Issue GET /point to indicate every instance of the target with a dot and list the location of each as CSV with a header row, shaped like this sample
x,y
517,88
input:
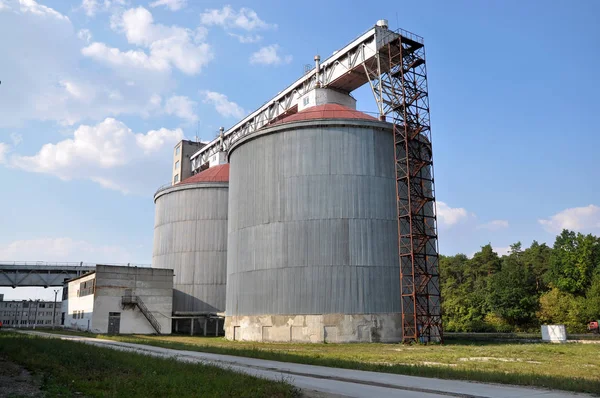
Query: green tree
x,y
512,291
537,259
573,261
591,307
558,307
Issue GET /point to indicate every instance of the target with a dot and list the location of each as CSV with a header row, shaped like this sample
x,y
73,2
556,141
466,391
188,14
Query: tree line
x,y
524,289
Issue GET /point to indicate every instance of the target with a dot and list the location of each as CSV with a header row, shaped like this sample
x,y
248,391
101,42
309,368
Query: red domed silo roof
x,y
326,111
218,173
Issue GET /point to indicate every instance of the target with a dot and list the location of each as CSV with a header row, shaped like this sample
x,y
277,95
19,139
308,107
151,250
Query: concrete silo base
x,y
328,328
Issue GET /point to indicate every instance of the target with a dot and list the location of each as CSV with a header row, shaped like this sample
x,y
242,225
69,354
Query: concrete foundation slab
x,y
329,328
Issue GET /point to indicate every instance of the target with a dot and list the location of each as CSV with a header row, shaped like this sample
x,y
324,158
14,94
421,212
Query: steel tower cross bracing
x,y
398,79
417,229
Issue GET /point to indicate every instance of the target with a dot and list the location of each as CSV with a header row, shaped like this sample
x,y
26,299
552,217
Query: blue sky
x,y
94,95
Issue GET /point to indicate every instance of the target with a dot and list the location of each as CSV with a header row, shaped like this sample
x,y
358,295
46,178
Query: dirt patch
x,y
487,359
16,381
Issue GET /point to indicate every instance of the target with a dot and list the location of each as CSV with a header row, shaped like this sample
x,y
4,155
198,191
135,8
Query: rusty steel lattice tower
x,y
417,229
398,78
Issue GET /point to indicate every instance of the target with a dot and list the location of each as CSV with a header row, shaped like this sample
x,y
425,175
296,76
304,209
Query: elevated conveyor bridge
x,y
40,274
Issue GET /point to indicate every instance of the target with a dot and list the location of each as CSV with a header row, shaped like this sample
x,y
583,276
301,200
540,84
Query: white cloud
x,y
169,46
172,5
246,19
16,138
92,7
154,140
130,59
223,105
52,86
580,219
79,91
30,6
4,148
494,225
246,38
110,154
448,216
269,55
62,249
182,107
502,251
85,35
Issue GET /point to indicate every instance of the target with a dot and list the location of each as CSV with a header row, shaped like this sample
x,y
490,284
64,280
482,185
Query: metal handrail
x,y
162,188
147,313
67,264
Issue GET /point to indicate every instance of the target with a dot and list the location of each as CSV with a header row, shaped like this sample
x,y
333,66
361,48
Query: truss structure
x,y
398,79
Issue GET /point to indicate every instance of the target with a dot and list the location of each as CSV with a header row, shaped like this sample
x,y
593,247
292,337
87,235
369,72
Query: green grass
x,y
70,368
571,367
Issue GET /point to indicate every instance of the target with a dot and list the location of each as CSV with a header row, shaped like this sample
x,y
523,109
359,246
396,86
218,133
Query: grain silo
x,y
313,228
190,236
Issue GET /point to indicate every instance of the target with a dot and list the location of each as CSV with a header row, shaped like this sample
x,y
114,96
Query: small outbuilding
x,y
119,300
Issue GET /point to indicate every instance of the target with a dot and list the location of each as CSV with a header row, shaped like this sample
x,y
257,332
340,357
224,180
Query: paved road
x,y
338,382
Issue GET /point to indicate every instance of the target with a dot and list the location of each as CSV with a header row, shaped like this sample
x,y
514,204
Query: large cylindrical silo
x,y
313,231
190,236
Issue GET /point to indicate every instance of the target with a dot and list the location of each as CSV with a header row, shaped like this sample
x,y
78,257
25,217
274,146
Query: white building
x,y
115,300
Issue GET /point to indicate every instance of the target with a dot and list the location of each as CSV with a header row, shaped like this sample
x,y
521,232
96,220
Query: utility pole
x,y
22,312
29,312
54,309
37,305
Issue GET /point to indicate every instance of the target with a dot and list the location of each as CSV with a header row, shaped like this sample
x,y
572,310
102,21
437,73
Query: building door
x,y
114,322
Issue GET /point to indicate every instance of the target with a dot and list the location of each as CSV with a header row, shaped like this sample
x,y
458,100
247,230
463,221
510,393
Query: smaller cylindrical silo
x,y
190,236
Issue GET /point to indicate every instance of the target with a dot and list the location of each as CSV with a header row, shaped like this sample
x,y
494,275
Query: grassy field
x,y
572,367
72,369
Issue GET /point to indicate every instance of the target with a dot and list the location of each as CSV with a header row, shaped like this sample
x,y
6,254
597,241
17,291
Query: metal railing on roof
x,y
66,264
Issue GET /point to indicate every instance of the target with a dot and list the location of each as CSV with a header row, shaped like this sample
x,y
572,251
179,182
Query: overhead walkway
x,y
40,274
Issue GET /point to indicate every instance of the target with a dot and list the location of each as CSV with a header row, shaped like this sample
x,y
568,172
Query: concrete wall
x,y
312,227
74,304
153,286
186,150
190,236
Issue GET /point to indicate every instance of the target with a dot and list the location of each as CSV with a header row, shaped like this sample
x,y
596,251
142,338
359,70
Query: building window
x,y
177,165
86,288
306,101
176,179
177,150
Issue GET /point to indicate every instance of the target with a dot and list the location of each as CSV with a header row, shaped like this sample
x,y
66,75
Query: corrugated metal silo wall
x,y
190,236
313,221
